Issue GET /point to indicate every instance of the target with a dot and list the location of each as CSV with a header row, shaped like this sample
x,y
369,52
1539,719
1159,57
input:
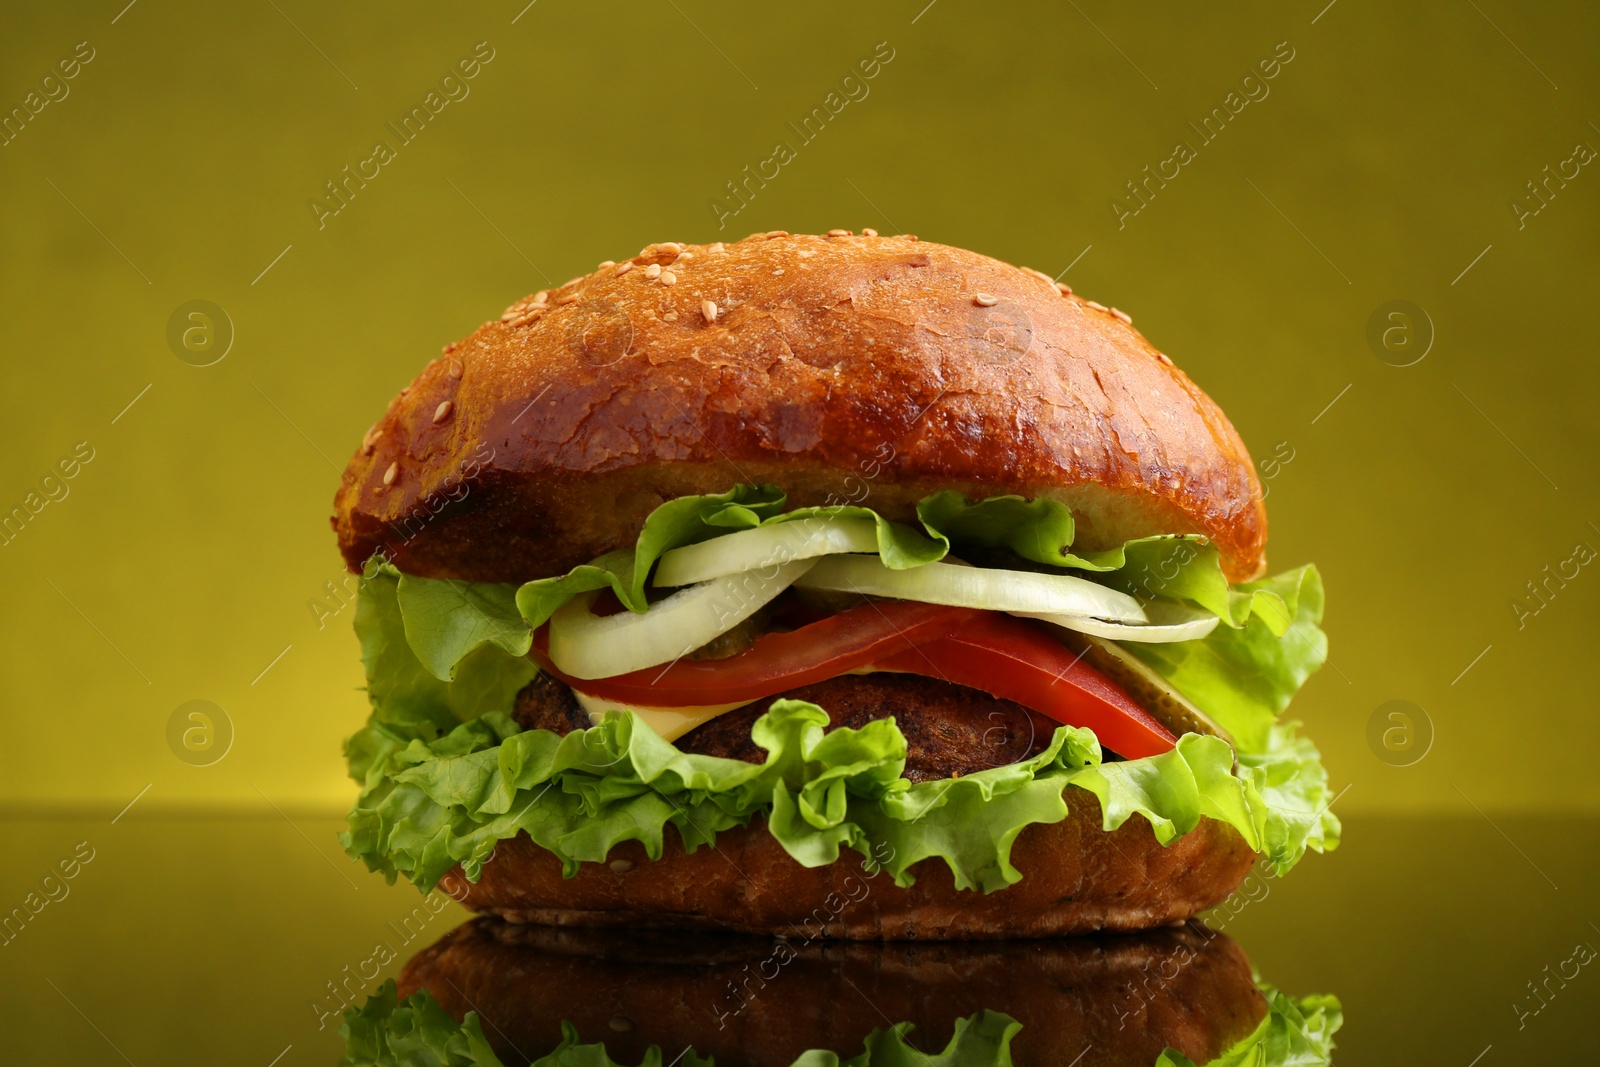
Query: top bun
x,y
844,369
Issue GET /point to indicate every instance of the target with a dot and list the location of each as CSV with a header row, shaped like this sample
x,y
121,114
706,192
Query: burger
x,y
492,993
846,582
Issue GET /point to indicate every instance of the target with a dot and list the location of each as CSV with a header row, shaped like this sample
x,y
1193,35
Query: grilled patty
x,y
950,730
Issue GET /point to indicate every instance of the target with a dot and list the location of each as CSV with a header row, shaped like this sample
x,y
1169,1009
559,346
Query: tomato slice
x,y
1018,660
1011,658
776,662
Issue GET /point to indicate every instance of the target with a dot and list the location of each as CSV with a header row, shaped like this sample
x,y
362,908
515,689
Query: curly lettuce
x,y
1177,566
446,773
430,805
1296,1032
418,1032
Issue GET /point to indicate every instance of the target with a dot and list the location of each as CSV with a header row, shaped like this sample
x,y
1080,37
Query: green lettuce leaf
x,y
1039,530
428,805
448,620
1175,566
417,1032
1179,567
1297,1032
1188,567
683,521
1243,678
431,661
691,519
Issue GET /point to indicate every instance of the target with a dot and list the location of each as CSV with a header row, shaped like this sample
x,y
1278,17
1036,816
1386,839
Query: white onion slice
x,y
585,645
1168,622
1017,592
765,546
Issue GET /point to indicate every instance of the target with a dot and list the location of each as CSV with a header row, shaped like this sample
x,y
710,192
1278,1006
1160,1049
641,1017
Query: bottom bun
x,y
1076,879
762,1003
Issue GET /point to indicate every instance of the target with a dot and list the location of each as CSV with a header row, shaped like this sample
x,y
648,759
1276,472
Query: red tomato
x,y
1019,660
1011,658
775,662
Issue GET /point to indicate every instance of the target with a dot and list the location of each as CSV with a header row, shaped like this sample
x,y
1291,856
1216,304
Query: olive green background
x,y
186,559
1380,165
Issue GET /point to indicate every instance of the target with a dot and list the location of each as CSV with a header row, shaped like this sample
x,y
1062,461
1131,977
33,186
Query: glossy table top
x,y
156,940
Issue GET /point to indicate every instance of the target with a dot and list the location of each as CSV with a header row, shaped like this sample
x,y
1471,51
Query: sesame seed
x,y
838,233
623,268
1096,305
708,308
716,246
907,236
671,316
449,348
668,278
869,232
683,256
541,296
524,320
1041,275
653,271
1123,315
1163,357
442,412
455,368
621,866
566,298
571,282
511,312
392,473
1064,289
770,234
606,264
621,1024
669,246
984,300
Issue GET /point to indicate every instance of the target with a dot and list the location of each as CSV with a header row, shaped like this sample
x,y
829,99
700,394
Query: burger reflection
x,y
495,994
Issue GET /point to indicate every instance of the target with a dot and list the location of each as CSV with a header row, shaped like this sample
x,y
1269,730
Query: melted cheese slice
x,y
672,723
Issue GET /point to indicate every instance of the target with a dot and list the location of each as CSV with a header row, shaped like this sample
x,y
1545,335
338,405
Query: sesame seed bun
x,y
842,368
761,1003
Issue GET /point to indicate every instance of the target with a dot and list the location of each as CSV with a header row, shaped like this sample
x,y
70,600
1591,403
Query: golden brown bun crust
x,y
857,369
761,1003
1076,879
